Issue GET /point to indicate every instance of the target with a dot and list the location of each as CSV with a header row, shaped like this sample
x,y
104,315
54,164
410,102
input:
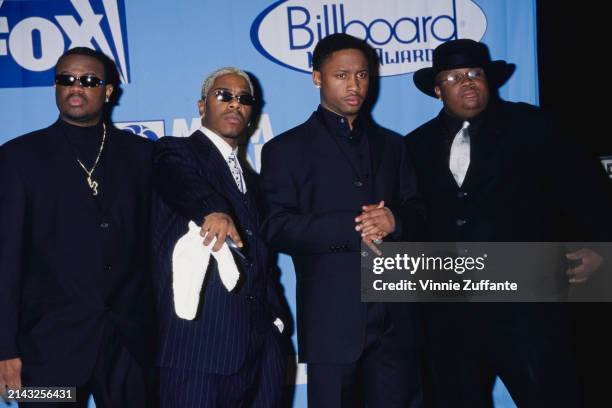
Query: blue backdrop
x,y
164,50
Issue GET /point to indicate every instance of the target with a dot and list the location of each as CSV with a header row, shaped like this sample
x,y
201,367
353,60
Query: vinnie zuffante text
x,y
457,264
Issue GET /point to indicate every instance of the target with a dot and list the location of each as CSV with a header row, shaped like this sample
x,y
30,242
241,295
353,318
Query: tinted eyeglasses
x,y
86,81
458,77
226,96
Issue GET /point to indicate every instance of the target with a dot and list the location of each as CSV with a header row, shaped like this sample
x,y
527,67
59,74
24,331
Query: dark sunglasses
x,y
226,96
87,81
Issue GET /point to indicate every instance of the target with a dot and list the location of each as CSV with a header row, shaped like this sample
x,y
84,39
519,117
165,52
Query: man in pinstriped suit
x,y
229,355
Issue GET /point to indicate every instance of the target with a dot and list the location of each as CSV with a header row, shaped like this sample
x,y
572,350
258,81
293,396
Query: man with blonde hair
x,y
227,351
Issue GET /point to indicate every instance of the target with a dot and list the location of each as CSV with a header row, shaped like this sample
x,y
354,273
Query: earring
x,y
107,100
318,86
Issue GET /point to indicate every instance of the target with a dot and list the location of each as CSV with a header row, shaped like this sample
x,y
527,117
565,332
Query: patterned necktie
x,y
232,161
459,160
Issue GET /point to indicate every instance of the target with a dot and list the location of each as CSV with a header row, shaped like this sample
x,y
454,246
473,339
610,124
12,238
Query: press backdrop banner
x,y
164,50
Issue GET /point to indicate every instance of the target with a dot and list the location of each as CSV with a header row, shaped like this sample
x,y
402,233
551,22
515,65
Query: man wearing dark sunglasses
x,y
75,289
228,355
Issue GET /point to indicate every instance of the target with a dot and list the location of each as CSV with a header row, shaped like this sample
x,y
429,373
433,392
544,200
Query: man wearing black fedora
x,y
495,171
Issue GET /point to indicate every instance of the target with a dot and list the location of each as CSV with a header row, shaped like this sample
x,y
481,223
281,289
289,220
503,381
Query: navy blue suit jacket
x,y
313,198
70,267
192,180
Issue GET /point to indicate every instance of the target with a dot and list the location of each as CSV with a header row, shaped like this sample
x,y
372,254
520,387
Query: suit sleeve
x,y
182,184
409,212
12,214
290,230
276,299
580,185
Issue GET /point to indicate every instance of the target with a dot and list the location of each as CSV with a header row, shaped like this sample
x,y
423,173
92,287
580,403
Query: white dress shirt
x,y
226,151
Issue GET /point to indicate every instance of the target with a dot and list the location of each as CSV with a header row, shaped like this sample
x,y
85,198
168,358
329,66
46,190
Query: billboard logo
x,y
152,129
33,35
403,33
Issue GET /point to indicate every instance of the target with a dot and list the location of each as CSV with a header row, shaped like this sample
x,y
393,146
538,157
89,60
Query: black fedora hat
x,y
462,53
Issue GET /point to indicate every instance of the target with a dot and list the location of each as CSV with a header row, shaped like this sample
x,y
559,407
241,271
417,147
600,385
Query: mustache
x,y
469,88
74,94
235,113
356,96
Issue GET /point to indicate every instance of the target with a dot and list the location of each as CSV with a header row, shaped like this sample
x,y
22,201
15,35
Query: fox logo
x,y
34,34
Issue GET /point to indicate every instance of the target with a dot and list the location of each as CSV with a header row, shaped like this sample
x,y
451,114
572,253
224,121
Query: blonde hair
x,y
211,78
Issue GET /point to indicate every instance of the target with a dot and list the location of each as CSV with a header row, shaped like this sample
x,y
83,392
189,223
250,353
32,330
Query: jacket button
x,y
461,223
462,194
104,225
107,267
357,183
364,253
248,232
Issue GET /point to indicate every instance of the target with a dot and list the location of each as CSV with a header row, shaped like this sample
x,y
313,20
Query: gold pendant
x,y
93,185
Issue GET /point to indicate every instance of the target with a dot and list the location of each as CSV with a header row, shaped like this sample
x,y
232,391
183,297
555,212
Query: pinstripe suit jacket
x,y
192,180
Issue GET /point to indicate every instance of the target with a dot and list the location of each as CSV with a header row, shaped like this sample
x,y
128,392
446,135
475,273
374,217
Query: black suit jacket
x,y
526,182
70,267
192,180
313,198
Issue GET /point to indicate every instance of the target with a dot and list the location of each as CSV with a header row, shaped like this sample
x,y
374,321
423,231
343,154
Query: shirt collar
x,y
224,148
453,124
338,124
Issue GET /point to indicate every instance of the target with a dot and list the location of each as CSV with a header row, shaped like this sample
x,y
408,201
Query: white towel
x,y
190,261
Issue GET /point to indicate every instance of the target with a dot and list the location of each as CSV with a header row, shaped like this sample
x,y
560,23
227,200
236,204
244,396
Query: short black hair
x,y
338,42
88,52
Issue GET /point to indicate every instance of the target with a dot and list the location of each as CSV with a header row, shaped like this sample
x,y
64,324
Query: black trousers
x,y
593,345
385,375
117,381
527,345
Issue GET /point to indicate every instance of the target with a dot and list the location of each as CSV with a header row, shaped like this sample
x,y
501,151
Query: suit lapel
x,y
330,143
483,151
438,149
253,195
376,144
210,159
115,168
320,129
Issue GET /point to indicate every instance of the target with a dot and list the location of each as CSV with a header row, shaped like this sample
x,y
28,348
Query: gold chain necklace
x,y
93,184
